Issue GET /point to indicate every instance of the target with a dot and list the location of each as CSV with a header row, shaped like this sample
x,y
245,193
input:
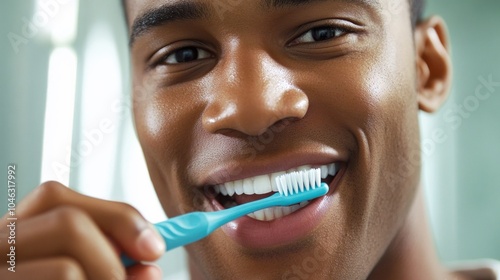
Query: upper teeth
x,y
266,183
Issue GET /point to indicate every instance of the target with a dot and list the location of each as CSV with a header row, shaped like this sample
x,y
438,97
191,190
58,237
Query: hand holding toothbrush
x,y
61,234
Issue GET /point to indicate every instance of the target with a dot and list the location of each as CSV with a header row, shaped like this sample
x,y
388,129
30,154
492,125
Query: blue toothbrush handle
x,y
179,231
191,227
183,229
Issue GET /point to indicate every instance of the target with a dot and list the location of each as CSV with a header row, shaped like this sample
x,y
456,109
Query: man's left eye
x,y
187,54
319,34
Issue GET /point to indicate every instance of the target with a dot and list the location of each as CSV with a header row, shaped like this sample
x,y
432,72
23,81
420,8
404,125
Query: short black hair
x,y
416,11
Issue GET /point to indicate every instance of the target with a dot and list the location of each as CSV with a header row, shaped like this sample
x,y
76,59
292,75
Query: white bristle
x,y
312,178
294,182
298,181
305,175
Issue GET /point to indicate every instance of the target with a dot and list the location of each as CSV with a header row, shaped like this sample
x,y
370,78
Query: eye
x,y
187,54
318,34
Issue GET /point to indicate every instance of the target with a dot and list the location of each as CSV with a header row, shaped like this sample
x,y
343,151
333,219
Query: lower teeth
x,y
272,213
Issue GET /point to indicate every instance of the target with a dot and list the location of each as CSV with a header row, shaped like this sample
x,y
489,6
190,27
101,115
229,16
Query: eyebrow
x,y
284,3
184,10
165,14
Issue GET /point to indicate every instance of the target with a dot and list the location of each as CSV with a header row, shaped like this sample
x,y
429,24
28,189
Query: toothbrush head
x,y
299,182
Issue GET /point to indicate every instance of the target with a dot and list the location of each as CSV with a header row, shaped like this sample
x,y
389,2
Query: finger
x,y
67,231
60,268
144,272
121,222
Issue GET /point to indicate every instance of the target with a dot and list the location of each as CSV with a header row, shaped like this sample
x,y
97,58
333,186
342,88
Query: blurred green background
x,y
461,175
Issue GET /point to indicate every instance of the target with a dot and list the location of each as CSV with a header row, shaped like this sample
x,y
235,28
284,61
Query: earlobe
x,y
433,63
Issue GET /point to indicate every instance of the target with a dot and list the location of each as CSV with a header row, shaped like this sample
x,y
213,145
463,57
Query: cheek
x,y
165,119
165,123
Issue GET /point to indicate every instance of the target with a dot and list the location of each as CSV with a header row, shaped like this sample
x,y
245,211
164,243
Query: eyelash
x,y
338,32
173,55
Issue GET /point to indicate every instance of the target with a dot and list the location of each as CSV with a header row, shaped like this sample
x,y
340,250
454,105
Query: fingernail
x,y
150,241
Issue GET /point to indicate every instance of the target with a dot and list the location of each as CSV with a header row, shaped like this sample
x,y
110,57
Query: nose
x,y
252,92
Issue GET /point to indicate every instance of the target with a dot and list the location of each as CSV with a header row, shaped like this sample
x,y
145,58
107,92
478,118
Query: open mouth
x,y
238,192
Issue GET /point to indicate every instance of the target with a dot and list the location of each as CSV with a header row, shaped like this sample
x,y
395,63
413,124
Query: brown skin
x,y
61,234
358,93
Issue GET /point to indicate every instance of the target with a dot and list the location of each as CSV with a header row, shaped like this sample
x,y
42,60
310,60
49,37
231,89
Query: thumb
x,y
144,272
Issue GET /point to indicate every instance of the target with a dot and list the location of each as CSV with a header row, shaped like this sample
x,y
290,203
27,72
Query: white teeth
x,y
278,212
324,171
248,186
223,189
259,215
263,184
230,188
238,187
269,213
304,167
333,168
273,213
286,184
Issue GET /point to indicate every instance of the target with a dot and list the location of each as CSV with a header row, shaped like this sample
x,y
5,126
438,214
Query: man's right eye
x,y
187,54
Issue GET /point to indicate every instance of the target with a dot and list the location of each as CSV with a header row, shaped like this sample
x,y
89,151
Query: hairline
x,y
416,11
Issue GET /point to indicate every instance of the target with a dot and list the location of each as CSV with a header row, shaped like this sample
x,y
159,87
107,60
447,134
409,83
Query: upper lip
x,y
235,170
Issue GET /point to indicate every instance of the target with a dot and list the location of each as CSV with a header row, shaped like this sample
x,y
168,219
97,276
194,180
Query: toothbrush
x,y
293,188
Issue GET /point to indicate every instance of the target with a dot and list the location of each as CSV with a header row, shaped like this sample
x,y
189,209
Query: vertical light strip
x,y
59,111
58,21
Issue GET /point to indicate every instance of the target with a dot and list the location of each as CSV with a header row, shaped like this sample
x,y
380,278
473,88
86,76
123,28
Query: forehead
x,y
142,15
137,8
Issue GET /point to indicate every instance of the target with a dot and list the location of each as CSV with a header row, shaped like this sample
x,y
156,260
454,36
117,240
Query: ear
x,y
434,69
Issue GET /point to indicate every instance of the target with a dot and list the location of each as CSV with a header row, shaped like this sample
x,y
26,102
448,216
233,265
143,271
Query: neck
x,y
411,254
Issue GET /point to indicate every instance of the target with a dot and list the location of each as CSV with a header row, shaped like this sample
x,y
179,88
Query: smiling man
x,y
237,92
230,94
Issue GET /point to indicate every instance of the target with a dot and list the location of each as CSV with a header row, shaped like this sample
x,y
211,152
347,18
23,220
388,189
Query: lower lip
x,y
254,234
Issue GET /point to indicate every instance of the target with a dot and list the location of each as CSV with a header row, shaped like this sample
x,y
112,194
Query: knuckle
x,y
128,211
51,190
67,268
72,221
127,216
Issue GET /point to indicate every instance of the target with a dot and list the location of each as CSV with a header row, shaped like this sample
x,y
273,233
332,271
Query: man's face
x,y
226,91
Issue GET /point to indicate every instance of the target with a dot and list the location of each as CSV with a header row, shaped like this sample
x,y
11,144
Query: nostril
x,y
254,112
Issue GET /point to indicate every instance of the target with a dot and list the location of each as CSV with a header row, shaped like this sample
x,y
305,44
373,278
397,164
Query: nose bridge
x,y
252,93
